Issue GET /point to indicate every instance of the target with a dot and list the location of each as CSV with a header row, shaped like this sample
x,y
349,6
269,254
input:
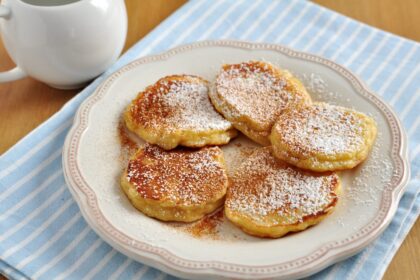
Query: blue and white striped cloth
x,y
42,233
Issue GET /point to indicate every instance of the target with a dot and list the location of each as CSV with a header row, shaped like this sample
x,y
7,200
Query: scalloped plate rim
x,y
169,262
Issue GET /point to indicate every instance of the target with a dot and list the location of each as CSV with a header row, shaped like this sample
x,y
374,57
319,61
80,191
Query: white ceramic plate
x,y
92,166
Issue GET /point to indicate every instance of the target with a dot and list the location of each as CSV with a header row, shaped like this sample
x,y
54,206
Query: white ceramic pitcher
x,y
63,45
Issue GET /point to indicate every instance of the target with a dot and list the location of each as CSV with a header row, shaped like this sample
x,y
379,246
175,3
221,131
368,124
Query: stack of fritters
x,y
269,195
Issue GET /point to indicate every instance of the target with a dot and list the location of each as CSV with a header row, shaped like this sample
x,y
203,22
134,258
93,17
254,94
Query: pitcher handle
x,y
16,73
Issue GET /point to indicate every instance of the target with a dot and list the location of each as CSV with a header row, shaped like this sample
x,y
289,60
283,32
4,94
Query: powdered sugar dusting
x,y
321,128
319,89
254,89
377,166
181,176
178,103
362,184
263,186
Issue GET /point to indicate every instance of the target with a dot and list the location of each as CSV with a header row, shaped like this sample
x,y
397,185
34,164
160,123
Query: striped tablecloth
x,y
42,232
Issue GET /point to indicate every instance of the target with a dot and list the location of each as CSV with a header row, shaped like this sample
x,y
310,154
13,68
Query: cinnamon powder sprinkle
x,y
206,227
126,142
182,175
177,102
256,90
264,186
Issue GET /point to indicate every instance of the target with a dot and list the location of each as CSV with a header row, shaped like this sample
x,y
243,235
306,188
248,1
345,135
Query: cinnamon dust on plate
x,y
127,144
206,227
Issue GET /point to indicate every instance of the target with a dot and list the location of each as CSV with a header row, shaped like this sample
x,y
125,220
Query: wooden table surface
x,y
27,103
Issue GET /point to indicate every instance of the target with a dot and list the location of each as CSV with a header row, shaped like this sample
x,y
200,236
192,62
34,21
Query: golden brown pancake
x,y
323,137
251,95
269,198
176,110
178,185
